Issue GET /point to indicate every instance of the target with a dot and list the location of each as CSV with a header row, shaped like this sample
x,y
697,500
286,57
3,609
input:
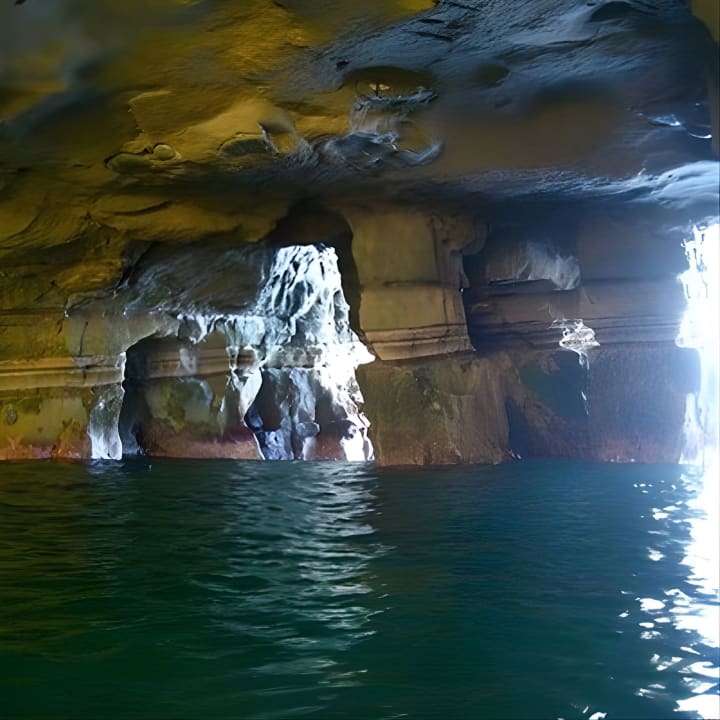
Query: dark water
x,y
286,590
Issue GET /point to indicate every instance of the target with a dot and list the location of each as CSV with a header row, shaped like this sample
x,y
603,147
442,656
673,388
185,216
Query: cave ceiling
x,y
128,123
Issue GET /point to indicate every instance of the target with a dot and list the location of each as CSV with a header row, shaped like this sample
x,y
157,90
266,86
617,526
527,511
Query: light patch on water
x,y
700,614
596,714
702,552
705,669
650,604
705,705
700,329
667,664
690,650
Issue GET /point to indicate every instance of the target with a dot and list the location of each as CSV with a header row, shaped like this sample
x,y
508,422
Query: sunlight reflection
x,y
700,614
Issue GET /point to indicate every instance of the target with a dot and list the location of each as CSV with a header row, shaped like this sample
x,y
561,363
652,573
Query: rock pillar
x,y
59,377
409,269
429,398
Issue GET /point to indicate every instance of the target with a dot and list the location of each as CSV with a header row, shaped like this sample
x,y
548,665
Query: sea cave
x,y
359,359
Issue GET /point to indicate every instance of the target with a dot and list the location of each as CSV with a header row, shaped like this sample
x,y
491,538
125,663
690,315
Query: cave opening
x,y
699,330
221,222
274,381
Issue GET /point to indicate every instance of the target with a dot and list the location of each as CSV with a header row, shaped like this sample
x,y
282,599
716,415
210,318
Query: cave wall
x,y
70,367
438,410
627,406
464,320
409,268
523,393
261,365
488,175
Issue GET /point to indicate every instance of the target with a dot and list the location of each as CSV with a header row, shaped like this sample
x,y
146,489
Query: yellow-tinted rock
x,y
438,410
44,423
709,12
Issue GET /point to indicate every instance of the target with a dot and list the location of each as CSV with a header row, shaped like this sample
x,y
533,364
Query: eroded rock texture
x,y
181,183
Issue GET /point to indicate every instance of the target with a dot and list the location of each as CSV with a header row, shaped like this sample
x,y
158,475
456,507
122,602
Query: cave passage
x,y
275,381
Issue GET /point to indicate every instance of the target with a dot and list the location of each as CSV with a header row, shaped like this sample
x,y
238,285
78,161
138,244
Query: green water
x,y
151,589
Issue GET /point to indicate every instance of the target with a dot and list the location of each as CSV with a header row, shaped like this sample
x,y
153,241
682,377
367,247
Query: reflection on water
x,y
152,572
699,613
289,590
308,599
689,608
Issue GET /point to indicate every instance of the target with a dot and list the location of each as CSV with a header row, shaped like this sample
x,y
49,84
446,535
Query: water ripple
x,y
288,590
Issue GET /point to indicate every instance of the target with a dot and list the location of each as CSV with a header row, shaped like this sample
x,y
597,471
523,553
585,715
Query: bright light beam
x,y
699,330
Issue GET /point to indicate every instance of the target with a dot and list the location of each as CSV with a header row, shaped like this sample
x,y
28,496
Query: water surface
x,y
172,589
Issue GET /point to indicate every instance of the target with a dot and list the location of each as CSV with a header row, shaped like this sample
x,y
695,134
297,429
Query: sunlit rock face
x,y
200,379
274,381
487,174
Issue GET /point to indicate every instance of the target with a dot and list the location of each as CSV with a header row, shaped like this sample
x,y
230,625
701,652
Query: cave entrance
x,y
699,330
134,411
276,381
309,223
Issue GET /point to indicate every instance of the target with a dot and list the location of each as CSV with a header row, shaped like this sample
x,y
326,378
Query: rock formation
x,y
214,215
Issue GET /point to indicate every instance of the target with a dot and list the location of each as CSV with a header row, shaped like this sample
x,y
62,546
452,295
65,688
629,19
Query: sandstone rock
x,y
171,172
628,406
436,411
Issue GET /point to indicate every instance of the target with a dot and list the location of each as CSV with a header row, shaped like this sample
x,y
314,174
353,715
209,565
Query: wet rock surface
x,y
627,406
438,411
170,172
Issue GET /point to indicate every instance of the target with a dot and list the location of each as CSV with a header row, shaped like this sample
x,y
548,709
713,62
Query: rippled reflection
x,y
701,612
692,609
219,590
309,599
255,574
